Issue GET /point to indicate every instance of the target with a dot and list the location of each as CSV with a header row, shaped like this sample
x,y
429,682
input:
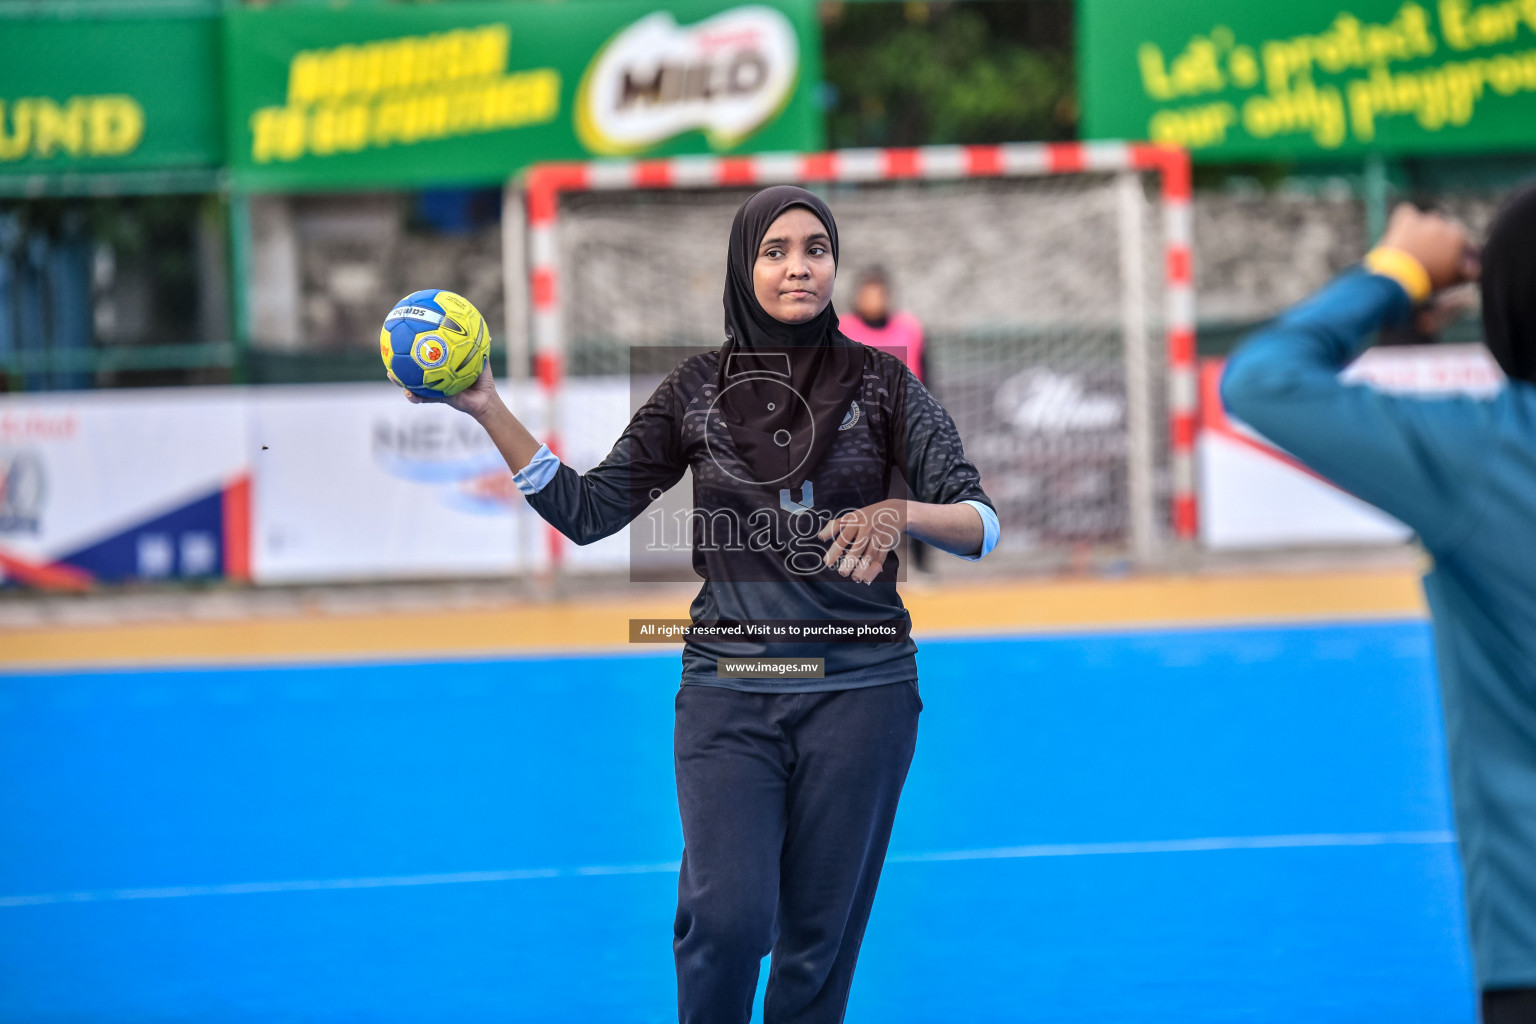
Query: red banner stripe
x,y
570,177
543,286
1179,265
818,167
1176,185
545,184
1181,346
983,161
543,205
548,367
1145,157
237,529
46,575
1185,521
736,170
653,174
1065,157
1184,427
903,163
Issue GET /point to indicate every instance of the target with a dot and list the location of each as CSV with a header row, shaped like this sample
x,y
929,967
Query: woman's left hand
x,y
861,539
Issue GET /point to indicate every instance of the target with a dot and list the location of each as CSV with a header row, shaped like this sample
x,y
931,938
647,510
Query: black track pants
x,y
1509,1006
787,803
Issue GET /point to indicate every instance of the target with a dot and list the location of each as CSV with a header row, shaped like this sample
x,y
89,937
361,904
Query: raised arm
x,y
584,506
1412,457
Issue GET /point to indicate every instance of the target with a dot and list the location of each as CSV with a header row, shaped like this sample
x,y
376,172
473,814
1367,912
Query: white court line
x,y
1322,839
1184,846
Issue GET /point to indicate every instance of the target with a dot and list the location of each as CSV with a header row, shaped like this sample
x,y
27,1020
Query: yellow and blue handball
x,y
434,342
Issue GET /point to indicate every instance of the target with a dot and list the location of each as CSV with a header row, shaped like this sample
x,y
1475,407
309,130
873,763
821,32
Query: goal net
x,y
1043,277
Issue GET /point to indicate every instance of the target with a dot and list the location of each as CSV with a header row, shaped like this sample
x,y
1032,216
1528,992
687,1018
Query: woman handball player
x,y
818,454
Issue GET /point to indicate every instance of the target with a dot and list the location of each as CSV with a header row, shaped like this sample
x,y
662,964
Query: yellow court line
x,y
1169,600
1057,605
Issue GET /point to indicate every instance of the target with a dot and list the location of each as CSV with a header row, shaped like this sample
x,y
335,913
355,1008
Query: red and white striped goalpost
x,y
544,184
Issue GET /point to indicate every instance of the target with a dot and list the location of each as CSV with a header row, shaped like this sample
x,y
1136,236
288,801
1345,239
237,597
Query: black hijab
x,y
1509,288
784,388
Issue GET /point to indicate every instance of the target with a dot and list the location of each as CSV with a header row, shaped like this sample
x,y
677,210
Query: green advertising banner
x,y
403,95
1310,77
114,92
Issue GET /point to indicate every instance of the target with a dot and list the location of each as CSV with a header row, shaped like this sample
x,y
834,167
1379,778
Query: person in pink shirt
x,y
875,324
898,332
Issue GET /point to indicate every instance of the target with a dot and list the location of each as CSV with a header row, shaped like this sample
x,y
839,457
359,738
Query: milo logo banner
x,y
404,95
1311,77
727,76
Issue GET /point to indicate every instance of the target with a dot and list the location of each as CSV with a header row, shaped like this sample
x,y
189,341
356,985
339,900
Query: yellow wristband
x,y
1402,268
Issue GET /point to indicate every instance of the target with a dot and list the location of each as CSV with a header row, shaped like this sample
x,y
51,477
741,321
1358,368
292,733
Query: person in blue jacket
x,y
1462,473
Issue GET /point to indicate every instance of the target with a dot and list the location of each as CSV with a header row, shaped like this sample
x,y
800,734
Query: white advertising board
x,y
305,483
122,484
1252,495
352,482
593,413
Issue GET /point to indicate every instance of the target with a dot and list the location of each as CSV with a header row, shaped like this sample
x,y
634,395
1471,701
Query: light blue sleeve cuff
x,y
989,529
532,478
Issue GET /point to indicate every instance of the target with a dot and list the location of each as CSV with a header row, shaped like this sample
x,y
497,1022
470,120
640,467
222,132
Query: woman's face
x,y
793,274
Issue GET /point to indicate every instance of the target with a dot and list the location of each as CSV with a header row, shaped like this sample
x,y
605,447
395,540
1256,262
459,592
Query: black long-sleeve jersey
x,y
755,543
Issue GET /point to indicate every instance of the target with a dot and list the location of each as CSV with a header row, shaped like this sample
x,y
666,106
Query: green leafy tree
x,y
971,71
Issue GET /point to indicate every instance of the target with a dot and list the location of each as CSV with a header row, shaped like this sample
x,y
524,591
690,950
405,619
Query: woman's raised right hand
x,y
476,400
1438,243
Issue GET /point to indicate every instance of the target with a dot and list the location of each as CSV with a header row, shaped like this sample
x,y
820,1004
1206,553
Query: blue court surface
x,y
1207,825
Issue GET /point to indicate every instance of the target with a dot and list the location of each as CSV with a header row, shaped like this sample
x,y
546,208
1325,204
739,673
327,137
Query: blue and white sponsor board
x,y
279,485
351,482
144,484
1254,496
